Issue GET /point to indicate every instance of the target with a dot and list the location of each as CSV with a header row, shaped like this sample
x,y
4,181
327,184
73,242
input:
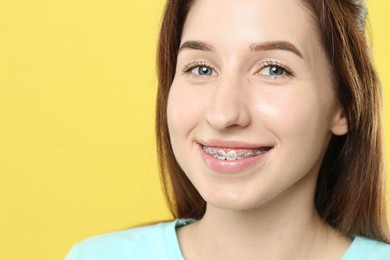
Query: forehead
x,y
239,23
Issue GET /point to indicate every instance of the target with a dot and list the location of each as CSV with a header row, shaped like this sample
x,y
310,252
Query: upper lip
x,y
232,144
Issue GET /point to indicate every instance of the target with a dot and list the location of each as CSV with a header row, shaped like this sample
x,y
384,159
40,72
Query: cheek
x,y
298,117
184,113
183,110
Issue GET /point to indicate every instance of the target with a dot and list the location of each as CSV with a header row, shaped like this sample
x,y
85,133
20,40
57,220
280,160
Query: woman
x,y
269,136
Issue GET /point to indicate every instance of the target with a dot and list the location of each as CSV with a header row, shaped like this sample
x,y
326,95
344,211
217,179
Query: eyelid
x,y
270,63
194,64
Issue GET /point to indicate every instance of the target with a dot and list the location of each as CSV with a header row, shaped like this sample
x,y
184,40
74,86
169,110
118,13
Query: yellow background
x,y
77,90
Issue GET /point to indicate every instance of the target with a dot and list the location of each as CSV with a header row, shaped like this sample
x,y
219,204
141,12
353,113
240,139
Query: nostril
x,y
221,118
228,105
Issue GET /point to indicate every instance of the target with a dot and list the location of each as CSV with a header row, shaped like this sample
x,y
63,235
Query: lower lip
x,y
233,166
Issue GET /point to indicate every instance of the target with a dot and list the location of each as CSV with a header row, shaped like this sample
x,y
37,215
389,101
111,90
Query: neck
x,y
296,227
284,228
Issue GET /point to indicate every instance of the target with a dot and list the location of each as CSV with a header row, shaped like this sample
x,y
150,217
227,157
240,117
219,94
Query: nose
x,y
229,106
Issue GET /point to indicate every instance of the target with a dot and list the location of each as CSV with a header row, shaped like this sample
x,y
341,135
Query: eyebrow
x,y
196,45
275,45
263,46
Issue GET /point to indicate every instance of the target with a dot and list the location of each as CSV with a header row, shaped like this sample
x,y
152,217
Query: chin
x,y
235,202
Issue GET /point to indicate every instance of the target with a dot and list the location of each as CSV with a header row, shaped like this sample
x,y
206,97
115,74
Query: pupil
x,y
276,70
204,70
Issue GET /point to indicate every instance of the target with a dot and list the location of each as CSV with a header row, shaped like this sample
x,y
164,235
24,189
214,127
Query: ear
x,y
339,123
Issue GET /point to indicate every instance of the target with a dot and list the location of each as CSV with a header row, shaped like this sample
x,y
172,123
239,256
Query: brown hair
x,y
350,187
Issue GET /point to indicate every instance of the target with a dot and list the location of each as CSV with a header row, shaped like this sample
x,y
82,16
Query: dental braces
x,y
231,155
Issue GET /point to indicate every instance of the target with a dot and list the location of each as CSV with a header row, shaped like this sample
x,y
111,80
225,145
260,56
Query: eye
x,y
202,71
274,70
199,69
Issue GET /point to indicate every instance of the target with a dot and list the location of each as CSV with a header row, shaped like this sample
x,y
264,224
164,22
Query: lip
x,y
231,144
234,166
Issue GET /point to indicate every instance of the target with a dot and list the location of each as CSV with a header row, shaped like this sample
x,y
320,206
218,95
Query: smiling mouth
x,y
234,154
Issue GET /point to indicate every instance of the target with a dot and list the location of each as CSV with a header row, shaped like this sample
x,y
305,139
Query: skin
x,y
275,97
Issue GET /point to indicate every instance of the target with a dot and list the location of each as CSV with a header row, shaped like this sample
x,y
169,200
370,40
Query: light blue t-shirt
x,y
160,242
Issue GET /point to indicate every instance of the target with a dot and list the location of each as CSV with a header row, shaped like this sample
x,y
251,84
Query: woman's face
x,y
251,109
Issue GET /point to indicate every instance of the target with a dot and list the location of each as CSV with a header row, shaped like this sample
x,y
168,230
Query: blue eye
x,y
272,71
269,69
275,71
202,71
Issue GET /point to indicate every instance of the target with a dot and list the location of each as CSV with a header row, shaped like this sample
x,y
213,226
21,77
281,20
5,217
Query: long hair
x,y
350,187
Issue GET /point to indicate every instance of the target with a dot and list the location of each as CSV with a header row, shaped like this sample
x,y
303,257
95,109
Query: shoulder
x,y
365,248
147,242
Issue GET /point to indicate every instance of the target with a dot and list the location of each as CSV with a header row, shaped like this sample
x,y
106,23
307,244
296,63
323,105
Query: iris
x,y
204,70
276,71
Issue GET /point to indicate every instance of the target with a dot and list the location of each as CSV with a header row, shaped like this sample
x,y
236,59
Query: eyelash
x,y
193,65
288,72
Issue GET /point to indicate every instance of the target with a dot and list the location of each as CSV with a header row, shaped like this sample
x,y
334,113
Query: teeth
x,y
240,155
261,151
250,154
220,155
231,155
